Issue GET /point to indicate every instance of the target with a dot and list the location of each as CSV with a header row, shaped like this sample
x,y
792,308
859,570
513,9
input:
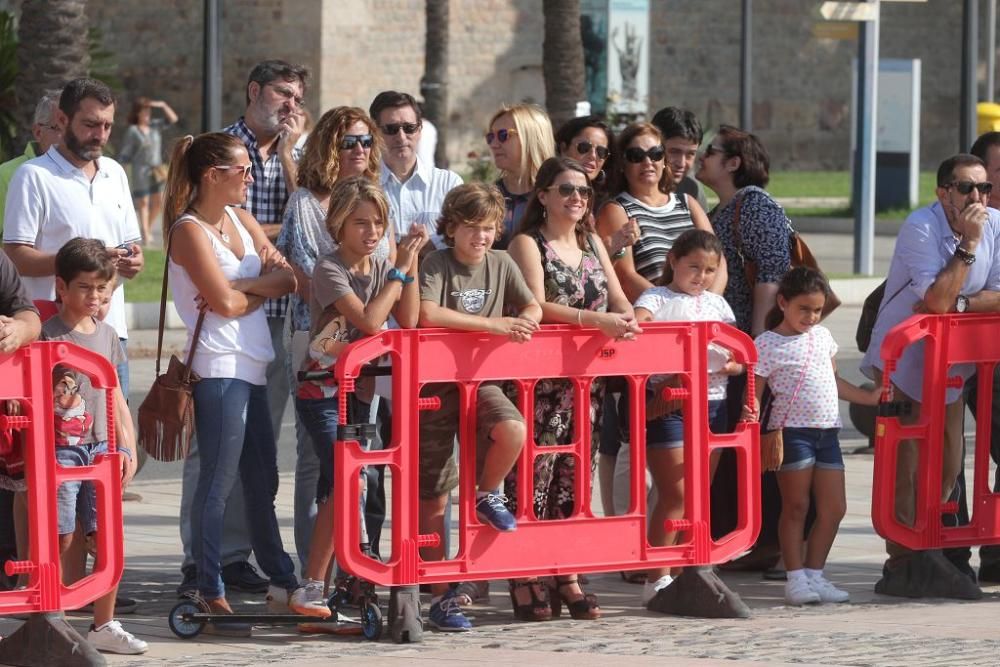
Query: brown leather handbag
x,y
166,416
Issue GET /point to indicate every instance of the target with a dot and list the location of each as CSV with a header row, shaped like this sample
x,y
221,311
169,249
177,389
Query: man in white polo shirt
x,y
72,190
415,188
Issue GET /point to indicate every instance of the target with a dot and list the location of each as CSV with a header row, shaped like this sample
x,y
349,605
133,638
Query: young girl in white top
x,y
795,359
683,294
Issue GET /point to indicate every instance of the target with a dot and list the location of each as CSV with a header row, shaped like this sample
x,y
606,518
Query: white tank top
x,y
227,348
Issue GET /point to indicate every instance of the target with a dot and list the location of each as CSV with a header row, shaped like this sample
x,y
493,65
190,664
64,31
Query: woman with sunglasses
x,y
222,266
520,138
567,268
645,190
588,140
343,144
735,166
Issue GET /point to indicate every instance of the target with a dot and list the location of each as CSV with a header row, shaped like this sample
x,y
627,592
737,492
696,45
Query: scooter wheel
x,y
184,628
371,621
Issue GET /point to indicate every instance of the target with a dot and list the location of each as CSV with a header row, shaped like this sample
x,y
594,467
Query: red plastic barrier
x,y
27,376
583,542
947,340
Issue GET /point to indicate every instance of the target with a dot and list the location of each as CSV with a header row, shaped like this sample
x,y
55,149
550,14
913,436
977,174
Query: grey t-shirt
x,y
80,409
692,187
333,280
484,290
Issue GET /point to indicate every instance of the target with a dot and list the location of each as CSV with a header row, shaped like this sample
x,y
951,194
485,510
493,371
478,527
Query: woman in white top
x,y
222,263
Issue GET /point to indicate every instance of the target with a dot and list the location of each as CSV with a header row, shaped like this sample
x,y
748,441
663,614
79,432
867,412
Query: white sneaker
x,y
308,600
827,591
113,638
649,590
799,591
277,600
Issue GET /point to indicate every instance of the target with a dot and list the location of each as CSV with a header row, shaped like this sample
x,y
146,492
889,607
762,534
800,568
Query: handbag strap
x,y
163,314
802,377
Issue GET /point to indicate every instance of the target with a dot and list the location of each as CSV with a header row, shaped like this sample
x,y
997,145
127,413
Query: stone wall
x,y
355,48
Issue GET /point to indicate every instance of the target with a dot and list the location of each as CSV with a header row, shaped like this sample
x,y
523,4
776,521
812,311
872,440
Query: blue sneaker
x,y
492,509
446,614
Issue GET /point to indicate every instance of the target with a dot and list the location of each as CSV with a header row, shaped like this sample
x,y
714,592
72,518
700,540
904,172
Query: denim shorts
x,y
78,498
811,447
320,416
667,432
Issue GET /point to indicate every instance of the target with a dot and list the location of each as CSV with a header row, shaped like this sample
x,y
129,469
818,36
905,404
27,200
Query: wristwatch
x,y
396,274
968,257
961,303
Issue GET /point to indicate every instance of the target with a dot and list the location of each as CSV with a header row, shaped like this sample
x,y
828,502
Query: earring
x,y
545,213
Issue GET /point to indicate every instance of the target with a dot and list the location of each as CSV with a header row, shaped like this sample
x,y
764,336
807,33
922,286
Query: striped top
x,y
659,227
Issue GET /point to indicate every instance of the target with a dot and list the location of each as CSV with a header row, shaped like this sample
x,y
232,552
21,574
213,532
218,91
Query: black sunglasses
x,y
635,155
965,187
585,147
500,135
567,190
392,129
351,140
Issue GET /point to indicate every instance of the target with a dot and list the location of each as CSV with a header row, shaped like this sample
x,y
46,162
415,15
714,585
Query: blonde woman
x,y
520,138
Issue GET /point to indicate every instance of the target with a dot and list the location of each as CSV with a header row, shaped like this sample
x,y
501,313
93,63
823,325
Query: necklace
x,y
223,235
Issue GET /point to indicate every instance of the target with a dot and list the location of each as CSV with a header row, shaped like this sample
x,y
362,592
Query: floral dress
x,y
584,287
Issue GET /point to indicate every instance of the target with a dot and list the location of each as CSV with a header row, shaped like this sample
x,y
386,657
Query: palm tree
x,y
434,84
51,50
562,59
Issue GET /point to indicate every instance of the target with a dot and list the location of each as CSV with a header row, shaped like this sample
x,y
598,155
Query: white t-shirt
x,y
667,305
781,359
50,201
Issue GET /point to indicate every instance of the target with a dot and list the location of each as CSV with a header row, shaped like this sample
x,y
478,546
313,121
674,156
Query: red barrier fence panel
x,y
582,542
26,376
947,340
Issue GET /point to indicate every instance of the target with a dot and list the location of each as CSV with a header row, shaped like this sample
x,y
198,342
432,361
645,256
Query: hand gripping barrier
x,y
947,340
582,542
27,377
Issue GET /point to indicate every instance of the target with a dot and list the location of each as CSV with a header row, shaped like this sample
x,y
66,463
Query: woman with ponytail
x,y
568,270
221,265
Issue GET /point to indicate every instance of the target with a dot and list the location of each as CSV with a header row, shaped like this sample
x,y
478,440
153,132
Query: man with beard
x,y
72,190
270,127
946,260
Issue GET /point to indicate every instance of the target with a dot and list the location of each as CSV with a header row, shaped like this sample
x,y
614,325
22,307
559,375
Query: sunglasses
x,y
247,168
392,129
965,187
351,140
500,135
585,147
567,190
636,155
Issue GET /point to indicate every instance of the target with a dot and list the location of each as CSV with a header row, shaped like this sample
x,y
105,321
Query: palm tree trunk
x,y
562,59
51,50
434,84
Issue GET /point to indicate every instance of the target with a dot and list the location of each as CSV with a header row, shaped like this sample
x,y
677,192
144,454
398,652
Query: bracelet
x,y
396,274
964,255
126,451
579,317
619,254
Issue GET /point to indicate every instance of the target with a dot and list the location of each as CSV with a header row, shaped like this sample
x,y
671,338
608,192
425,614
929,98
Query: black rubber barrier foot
x,y
45,640
926,574
700,593
405,623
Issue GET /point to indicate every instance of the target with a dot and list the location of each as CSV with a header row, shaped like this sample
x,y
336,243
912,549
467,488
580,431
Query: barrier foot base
x,y
926,574
45,640
699,592
405,623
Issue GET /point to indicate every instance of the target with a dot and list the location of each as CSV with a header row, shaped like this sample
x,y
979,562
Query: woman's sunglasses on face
x,y
500,135
636,155
351,140
584,147
567,190
246,168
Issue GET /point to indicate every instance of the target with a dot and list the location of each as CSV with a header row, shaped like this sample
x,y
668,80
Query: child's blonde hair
x,y
470,204
345,197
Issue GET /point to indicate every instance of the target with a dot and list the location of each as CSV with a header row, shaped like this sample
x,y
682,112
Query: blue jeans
x,y
122,369
235,439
